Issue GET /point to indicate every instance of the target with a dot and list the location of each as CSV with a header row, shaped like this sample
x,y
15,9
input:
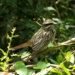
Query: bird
x,y
41,38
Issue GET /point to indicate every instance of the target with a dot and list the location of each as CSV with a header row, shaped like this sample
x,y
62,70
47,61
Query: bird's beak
x,y
55,23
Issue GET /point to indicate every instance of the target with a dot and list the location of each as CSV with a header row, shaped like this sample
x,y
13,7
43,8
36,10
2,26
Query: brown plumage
x,y
41,38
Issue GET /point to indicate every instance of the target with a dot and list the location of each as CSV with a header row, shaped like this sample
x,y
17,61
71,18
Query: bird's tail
x,y
20,46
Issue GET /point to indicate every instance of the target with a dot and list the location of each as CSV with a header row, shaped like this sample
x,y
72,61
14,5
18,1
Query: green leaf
x,y
53,61
46,61
8,37
65,69
7,59
51,45
2,58
1,63
42,65
63,6
31,72
49,9
73,67
72,58
69,57
58,20
62,35
20,68
42,72
69,19
25,54
59,58
13,30
56,71
67,26
4,53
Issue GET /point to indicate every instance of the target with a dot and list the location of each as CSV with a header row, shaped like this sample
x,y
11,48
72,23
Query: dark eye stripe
x,y
49,24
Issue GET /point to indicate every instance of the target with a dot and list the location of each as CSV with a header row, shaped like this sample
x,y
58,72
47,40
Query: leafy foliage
x,y
26,16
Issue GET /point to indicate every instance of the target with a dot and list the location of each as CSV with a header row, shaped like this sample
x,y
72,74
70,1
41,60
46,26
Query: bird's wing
x,y
40,41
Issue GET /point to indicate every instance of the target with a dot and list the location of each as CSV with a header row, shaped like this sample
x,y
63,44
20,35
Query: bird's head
x,y
48,24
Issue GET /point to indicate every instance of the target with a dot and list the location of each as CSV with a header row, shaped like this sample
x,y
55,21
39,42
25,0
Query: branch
x,y
66,43
69,42
72,26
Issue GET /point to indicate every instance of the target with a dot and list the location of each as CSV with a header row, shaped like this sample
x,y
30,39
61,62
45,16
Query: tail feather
x,y
20,46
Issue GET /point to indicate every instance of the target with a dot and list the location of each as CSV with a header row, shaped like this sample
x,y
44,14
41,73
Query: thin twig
x,y
62,52
57,10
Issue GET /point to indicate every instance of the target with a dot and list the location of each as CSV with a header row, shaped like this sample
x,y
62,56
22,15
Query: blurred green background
x,y
23,14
